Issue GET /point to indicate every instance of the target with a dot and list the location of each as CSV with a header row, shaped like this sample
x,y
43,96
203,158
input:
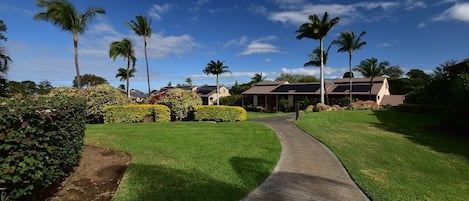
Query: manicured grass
x,y
395,155
190,160
257,115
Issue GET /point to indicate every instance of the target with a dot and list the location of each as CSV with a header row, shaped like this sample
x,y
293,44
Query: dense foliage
x,y
89,80
181,102
100,96
40,142
219,113
136,113
233,100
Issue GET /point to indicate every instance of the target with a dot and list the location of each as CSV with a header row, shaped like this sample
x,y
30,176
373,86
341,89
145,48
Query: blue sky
x,y
250,36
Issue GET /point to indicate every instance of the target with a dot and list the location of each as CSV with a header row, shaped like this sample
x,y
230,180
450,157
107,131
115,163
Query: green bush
x,y
180,102
136,113
219,113
41,141
233,100
285,105
99,96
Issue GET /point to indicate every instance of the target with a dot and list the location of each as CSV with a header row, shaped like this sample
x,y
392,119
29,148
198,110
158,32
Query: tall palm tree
x,y
124,74
370,68
124,49
257,78
216,68
348,42
142,27
317,29
63,14
189,81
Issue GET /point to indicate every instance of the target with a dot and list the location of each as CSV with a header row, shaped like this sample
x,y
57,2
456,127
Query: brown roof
x,y
358,80
271,83
393,100
357,88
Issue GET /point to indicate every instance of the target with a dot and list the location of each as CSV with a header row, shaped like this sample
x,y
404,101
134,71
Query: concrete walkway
x,y
307,170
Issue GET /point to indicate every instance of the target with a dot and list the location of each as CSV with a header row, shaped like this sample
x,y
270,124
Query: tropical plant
x,y
180,101
142,27
257,78
294,78
189,81
348,75
370,68
88,80
216,68
63,14
348,42
44,87
394,71
315,57
441,70
317,29
100,96
124,49
124,74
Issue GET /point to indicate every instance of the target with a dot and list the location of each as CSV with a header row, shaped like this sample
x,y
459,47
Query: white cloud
x,y
256,9
348,13
459,11
413,4
421,25
156,11
261,46
315,71
383,45
237,42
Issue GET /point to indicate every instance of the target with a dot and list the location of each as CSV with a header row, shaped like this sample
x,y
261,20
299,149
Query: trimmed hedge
x,y
41,141
219,113
136,113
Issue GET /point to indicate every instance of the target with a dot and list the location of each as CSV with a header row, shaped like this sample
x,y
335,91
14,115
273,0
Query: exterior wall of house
x,y
223,92
384,91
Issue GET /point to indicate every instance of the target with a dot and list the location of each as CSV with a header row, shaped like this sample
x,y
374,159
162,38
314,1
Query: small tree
x,y
216,68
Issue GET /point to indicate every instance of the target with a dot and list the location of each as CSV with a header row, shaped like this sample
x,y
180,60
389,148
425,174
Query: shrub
x,y
219,113
319,107
180,102
136,113
364,105
233,100
310,108
67,92
99,96
285,105
41,141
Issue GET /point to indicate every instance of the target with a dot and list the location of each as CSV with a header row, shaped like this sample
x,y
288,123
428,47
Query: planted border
x,y
219,113
136,113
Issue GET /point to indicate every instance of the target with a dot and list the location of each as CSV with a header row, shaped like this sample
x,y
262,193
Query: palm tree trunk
x,y
146,60
350,76
322,71
371,86
75,51
128,78
218,96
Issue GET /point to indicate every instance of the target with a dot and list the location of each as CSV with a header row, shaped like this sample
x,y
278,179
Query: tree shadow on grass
x,y
159,182
253,171
420,128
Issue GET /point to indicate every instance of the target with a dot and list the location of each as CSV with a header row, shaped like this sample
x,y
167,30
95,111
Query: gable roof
x,y
360,86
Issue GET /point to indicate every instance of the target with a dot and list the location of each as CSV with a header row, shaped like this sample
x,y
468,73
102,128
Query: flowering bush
x,y
99,96
180,102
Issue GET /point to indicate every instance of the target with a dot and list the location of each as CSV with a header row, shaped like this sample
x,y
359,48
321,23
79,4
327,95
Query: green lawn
x,y
394,155
257,115
190,160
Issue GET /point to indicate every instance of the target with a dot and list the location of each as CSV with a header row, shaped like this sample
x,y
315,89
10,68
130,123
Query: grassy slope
x,y
395,156
257,115
190,160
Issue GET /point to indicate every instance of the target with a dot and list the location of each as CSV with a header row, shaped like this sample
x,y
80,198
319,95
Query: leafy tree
x,y
189,81
371,68
348,75
238,89
63,14
126,50
418,78
124,74
44,87
317,29
348,42
88,80
295,78
394,71
29,87
142,27
216,68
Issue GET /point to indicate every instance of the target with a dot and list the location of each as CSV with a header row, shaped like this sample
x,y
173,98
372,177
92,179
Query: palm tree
x,y
370,68
64,15
142,27
257,78
315,57
216,68
124,74
124,49
348,42
189,81
317,29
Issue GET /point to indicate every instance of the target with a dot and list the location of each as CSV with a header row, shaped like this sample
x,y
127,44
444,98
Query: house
x,y
268,93
208,93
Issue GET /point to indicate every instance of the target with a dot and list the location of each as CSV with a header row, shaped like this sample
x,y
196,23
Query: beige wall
x,y
384,91
223,92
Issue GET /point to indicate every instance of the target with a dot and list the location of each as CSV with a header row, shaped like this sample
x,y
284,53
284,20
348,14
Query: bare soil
x,y
96,178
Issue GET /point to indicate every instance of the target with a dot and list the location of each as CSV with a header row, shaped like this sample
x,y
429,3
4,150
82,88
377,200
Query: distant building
x,y
461,67
268,93
208,93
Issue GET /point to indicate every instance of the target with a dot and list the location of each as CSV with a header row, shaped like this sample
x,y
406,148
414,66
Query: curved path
x,y
307,169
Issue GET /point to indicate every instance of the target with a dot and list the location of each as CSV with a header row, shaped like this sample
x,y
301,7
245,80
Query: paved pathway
x,y
307,170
